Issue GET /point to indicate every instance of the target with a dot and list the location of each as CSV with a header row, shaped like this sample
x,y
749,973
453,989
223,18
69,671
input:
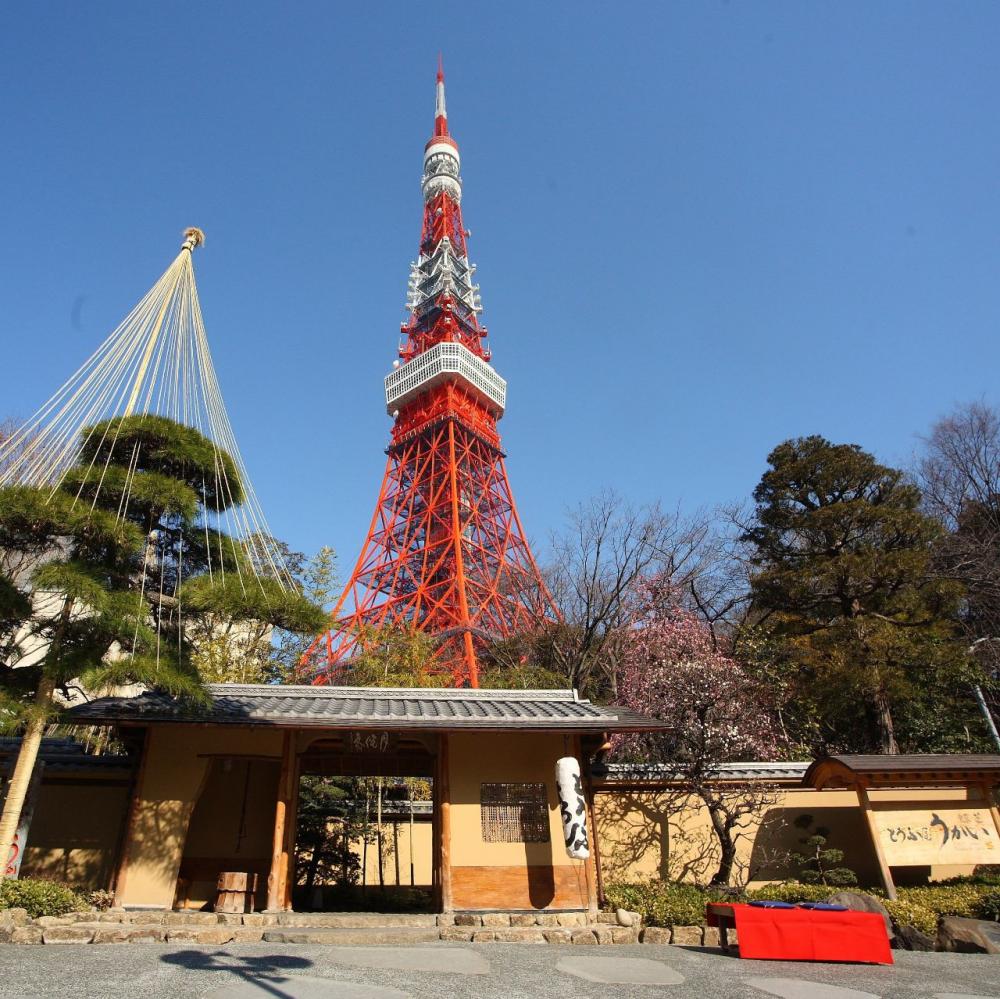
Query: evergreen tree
x,y
394,657
317,578
842,577
118,559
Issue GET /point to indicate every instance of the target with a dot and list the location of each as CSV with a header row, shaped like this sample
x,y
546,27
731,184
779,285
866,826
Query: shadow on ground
x,y
267,972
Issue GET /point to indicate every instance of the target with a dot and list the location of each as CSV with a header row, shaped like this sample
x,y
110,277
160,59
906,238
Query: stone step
x,y
351,935
352,919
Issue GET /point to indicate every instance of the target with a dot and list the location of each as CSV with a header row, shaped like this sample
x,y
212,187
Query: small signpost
x,y
923,836
921,833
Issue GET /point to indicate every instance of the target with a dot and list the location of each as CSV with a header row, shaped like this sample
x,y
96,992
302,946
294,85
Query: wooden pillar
x,y
987,794
277,878
866,807
443,788
291,827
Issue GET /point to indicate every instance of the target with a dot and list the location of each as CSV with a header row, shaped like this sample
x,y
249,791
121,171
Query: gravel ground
x,y
442,970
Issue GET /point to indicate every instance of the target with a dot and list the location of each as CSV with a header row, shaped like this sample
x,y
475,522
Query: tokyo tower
x,y
445,552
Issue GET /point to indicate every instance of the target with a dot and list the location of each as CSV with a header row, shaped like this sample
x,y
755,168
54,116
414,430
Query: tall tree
x,y
317,578
116,560
959,474
394,657
234,644
842,573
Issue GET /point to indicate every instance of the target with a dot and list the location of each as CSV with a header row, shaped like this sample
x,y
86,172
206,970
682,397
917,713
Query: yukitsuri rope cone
x,y
156,362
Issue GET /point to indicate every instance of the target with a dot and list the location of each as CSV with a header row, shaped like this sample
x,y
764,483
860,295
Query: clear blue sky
x,y
701,228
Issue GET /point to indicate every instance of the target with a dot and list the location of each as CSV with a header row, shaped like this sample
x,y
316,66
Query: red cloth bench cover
x,y
809,934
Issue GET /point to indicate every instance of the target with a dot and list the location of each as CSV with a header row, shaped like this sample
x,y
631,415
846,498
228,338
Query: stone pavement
x,y
468,971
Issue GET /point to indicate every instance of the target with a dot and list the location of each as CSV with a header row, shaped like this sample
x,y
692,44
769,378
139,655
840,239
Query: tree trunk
x,y
887,732
727,846
409,791
313,867
378,839
345,851
26,758
364,837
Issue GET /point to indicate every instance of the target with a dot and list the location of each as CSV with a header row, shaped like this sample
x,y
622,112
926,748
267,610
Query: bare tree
x,y
602,565
959,474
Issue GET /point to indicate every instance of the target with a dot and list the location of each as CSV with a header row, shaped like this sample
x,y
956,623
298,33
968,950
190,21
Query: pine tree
x,y
842,575
117,559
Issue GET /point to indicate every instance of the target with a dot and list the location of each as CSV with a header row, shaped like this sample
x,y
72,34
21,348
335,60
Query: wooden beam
x,y
444,823
866,806
276,876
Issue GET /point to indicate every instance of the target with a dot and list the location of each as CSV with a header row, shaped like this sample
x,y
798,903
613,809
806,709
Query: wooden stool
x,y
236,891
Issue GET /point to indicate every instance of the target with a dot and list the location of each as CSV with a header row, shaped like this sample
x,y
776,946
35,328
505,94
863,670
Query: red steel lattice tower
x,y
446,552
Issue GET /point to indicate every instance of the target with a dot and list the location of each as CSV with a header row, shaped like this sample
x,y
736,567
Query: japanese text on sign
x,y
938,836
371,742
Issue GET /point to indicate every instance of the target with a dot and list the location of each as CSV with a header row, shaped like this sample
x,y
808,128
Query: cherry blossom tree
x,y
671,668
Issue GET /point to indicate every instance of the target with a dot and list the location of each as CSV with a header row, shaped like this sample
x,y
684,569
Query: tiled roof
x,y
63,756
628,773
919,762
372,707
919,769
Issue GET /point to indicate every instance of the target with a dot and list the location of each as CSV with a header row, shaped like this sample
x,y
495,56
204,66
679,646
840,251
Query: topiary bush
x,y
39,897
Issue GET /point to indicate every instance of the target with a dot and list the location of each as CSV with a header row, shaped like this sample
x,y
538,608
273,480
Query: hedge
x,y
39,897
668,903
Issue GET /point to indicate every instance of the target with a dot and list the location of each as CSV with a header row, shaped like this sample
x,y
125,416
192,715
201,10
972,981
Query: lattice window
x,y
514,813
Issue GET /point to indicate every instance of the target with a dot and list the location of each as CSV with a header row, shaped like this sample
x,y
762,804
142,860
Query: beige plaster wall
x,y
646,835
509,875
231,828
174,773
477,759
397,845
75,832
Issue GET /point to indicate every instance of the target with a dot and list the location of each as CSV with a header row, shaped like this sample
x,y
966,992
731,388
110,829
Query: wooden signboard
x,y
371,741
920,836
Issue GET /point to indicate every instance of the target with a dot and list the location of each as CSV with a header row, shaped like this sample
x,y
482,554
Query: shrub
x,y
38,897
820,859
100,899
987,874
946,900
989,905
792,891
666,903
909,913
922,906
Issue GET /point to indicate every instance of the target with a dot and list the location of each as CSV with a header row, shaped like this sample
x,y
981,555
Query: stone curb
x,y
118,926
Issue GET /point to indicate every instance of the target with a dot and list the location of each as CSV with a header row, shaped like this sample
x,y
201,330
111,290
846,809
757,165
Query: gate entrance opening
x,y
366,823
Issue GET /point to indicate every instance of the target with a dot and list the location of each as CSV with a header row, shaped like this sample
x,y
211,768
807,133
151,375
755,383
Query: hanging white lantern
x,y
572,807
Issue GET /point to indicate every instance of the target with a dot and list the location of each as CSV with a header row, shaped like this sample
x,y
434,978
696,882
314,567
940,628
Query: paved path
x,y
465,971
